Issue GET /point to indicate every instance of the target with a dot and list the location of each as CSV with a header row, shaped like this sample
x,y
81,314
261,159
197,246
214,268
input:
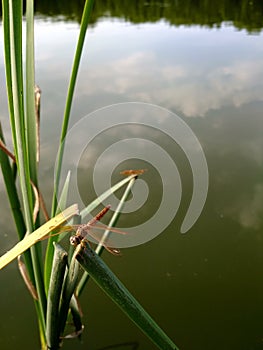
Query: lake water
x,y
196,84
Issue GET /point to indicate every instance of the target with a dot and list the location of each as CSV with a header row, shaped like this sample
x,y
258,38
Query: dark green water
x,y
202,61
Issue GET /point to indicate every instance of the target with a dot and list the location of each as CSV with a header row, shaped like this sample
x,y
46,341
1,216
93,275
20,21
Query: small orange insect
x,y
133,172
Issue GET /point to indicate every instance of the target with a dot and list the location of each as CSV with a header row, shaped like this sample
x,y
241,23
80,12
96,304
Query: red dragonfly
x,y
83,231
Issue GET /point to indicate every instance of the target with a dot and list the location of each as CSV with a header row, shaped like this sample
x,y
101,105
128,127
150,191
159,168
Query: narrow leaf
x,y
104,196
37,235
112,286
30,120
50,250
67,293
83,28
53,302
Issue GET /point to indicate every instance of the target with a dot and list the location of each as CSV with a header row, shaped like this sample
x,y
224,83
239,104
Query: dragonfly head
x,y
75,240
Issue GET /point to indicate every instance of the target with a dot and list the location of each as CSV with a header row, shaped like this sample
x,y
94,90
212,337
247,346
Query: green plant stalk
x,y
41,325
14,201
55,288
6,26
31,142
76,316
11,189
99,249
83,29
67,293
14,35
9,179
10,185
38,272
113,287
31,125
18,123
50,247
42,339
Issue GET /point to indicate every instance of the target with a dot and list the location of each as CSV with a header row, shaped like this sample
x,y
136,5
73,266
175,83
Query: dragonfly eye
x,y
75,240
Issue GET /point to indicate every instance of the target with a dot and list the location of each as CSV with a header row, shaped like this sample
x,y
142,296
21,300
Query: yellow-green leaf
x,y
37,235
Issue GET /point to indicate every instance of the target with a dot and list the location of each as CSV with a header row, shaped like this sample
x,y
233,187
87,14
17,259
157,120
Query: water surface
x,y
204,287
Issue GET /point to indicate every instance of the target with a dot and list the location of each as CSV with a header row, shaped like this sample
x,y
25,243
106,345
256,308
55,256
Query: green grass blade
x,y
7,53
36,236
15,16
50,249
14,201
104,196
14,75
62,203
38,273
19,135
76,315
55,288
30,146
11,190
113,287
67,293
83,28
31,125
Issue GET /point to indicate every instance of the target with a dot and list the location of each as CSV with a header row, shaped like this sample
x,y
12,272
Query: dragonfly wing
x,y
104,228
105,241
104,235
